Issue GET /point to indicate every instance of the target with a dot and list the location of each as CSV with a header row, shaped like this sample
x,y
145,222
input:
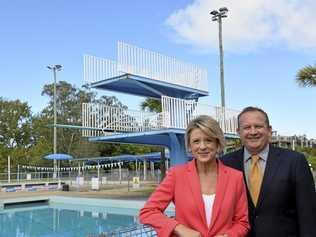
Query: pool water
x,y
63,220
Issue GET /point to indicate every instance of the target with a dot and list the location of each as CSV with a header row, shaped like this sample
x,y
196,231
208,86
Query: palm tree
x,y
306,76
154,105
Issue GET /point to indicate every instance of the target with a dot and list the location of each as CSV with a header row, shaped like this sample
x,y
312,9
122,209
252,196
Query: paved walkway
x,y
111,193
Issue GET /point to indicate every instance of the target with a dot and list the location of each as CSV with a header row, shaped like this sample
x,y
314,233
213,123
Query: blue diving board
x,y
147,87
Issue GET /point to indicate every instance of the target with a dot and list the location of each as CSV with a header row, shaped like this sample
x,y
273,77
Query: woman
x,y
210,198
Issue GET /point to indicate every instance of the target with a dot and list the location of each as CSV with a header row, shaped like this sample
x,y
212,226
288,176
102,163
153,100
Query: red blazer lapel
x,y
221,185
194,182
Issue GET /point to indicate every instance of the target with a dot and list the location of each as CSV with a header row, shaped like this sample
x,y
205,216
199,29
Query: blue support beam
x,y
178,154
173,139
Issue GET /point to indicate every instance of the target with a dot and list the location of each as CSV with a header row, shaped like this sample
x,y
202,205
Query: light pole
x,y
55,68
217,16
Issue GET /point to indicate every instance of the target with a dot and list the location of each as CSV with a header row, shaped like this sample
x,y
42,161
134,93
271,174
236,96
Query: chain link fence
x,y
84,180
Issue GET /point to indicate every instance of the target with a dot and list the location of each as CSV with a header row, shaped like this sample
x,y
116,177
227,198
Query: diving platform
x,y
146,87
167,128
141,72
137,71
176,113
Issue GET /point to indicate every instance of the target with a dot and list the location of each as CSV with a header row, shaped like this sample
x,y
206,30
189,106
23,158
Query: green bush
x,y
312,161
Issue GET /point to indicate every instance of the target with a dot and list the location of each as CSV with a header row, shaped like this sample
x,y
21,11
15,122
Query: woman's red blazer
x,y
182,187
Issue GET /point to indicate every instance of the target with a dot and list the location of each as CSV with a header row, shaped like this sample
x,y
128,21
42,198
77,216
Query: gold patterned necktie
x,y
255,178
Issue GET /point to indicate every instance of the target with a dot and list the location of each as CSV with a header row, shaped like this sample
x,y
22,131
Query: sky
x,y
265,43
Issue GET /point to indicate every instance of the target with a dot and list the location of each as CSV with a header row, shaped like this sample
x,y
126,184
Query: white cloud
x,y
251,24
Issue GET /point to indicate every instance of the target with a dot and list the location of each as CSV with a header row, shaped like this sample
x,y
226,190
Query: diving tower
x,y
141,72
145,73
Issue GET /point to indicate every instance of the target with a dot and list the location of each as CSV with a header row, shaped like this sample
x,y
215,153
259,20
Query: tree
x,y
151,105
232,144
310,154
69,99
43,140
15,130
154,105
27,138
306,77
69,102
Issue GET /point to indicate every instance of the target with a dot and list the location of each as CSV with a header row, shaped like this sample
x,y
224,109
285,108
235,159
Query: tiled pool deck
x,y
113,193
81,201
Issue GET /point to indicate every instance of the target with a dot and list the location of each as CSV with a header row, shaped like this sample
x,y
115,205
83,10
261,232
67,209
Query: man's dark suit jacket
x,y
287,200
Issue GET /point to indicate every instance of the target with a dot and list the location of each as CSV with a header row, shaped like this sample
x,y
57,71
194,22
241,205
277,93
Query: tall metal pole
x,y
55,68
217,16
221,61
55,122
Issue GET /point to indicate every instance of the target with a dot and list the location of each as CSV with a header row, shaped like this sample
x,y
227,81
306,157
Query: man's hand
x,y
183,231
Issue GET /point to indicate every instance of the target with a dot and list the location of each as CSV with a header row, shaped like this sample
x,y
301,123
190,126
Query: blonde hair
x,y
209,126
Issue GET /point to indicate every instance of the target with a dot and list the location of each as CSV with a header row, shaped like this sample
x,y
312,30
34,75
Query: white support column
x,y
120,172
78,169
9,170
152,168
98,171
167,164
83,168
145,169
18,175
293,144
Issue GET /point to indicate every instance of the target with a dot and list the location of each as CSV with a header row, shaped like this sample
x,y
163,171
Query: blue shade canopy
x,y
58,156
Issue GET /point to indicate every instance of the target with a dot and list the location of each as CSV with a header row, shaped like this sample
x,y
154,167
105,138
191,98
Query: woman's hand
x,y
223,235
183,231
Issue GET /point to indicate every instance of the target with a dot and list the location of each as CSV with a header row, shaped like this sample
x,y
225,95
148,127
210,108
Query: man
x,y
280,186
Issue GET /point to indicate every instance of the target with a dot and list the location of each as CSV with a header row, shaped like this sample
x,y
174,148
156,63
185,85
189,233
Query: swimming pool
x,y
67,217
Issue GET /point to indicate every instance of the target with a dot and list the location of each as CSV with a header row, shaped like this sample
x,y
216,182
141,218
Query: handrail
x,y
176,113
137,230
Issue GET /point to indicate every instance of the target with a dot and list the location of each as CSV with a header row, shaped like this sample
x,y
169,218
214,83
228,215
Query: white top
x,y
208,206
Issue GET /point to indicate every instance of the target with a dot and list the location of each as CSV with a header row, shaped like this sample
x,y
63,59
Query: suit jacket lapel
x,y
194,182
221,185
272,166
237,161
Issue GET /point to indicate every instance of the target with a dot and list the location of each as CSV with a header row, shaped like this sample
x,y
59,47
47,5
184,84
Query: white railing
x,y
145,63
98,69
176,113
101,120
227,118
181,111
